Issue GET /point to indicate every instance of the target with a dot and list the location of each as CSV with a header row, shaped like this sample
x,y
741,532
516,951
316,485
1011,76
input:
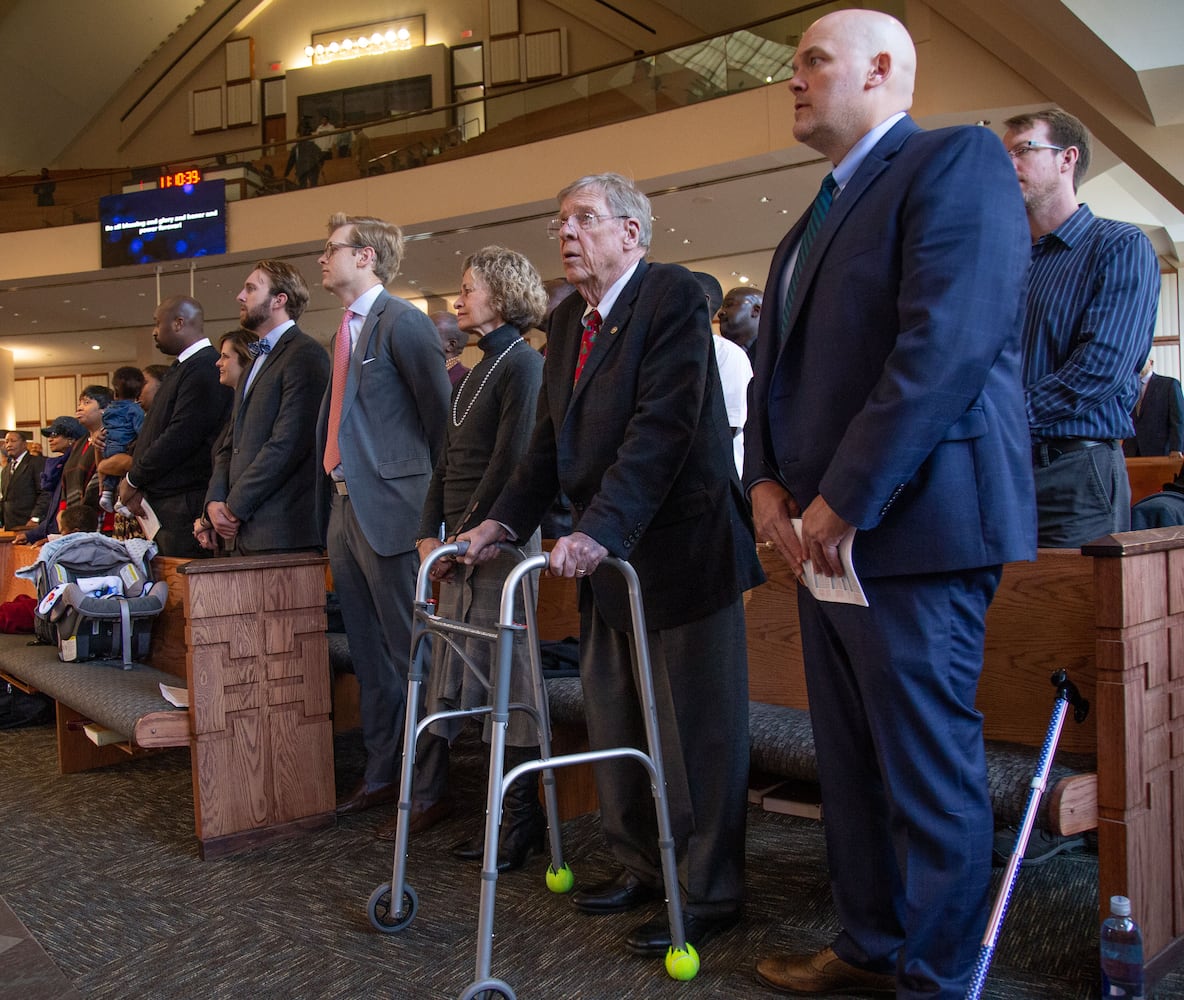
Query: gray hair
x,y
624,198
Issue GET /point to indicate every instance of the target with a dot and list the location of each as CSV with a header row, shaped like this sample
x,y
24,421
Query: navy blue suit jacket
x,y
897,393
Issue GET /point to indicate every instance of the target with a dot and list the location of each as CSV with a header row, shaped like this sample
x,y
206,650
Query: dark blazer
x,y
22,490
392,422
643,450
267,467
52,473
1159,422
172,453
905,409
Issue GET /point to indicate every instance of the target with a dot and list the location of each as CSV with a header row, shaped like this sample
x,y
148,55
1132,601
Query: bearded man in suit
x,y
632,427
262,494
911,267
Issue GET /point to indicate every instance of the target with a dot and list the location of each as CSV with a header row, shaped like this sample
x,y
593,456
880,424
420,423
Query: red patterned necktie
x,y
591,329
341,353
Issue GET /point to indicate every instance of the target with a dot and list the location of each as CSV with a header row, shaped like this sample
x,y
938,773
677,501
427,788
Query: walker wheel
x,y
560,881
384,919
488,989
682,965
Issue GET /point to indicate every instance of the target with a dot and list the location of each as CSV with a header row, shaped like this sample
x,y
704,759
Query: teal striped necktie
x,y
822,203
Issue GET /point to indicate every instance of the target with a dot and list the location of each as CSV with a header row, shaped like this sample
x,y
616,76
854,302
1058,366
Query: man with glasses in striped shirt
x,y
1092,298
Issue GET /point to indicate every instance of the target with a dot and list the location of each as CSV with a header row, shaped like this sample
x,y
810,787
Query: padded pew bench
x,y
246,638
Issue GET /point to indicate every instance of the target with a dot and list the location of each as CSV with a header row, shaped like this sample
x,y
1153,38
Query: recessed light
x,y
744,279
686,243
96,347
764,199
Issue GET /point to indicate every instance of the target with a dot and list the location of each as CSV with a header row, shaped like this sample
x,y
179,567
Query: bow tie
x,y
259,347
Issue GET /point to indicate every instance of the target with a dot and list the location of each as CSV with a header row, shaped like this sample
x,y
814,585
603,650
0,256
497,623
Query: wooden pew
x,y
1148,474
246,638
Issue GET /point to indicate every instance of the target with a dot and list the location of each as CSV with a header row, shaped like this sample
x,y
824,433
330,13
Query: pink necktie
x,y
341,354
591,329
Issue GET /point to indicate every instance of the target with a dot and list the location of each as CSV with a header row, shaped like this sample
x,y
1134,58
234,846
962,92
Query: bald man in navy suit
x,y
887,399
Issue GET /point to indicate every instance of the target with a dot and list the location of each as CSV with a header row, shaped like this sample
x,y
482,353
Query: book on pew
x,y
795,798
101,736
178,696
760,785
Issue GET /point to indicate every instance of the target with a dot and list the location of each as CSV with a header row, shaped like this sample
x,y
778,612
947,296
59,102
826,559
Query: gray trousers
x,y
1082,495
376,593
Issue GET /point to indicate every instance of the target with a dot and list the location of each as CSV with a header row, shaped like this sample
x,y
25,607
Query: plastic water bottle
x,y
1122,952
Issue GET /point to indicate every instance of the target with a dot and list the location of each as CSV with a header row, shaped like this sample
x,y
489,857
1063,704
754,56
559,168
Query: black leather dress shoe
x,y
652,939
620,893
366,796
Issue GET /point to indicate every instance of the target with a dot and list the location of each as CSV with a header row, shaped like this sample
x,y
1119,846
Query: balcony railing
x,y
755,55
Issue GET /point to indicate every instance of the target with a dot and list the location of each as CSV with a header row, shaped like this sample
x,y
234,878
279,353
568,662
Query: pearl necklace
x,y
457,421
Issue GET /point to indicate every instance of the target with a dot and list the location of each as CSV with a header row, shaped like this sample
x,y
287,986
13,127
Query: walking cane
x,y
1067,694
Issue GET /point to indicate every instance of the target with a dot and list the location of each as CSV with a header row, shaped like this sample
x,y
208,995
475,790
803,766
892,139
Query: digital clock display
x,y
180,178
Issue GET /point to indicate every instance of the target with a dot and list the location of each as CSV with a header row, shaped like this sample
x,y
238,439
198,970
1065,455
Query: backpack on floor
x,y
96,596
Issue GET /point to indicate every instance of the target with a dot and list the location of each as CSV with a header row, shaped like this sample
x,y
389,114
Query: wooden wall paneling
x,y
503,17
240,60
207,111
26,398
242,103
504,61
544,58
61,396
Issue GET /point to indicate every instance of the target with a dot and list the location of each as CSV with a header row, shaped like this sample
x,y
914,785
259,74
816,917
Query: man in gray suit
x,y
262,494
380,431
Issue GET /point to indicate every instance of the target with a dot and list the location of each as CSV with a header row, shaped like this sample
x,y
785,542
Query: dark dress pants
x,y
903,771
376,593
176,515
700,673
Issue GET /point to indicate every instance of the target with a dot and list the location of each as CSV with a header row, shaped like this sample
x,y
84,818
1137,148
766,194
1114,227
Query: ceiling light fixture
x,y
375,38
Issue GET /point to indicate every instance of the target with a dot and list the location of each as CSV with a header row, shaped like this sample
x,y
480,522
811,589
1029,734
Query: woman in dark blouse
x,y
487,432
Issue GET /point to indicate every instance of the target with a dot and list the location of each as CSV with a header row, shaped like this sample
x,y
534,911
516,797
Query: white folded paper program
x,y
845,589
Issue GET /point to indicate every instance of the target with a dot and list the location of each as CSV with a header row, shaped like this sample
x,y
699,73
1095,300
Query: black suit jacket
x,y
173,450
21,490
643,450
1159,422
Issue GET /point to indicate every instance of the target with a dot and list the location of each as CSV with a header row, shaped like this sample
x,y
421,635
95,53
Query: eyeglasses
x,y
1022,149
582,221
331,248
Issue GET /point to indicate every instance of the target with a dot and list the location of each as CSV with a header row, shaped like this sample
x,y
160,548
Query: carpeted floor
x,y
102,869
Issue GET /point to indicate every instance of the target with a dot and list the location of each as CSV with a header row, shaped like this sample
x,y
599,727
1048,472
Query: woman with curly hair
x,y
487,432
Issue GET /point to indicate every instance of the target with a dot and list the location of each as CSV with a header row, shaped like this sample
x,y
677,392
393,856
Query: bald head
x,y
852,70
451,339
179,323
